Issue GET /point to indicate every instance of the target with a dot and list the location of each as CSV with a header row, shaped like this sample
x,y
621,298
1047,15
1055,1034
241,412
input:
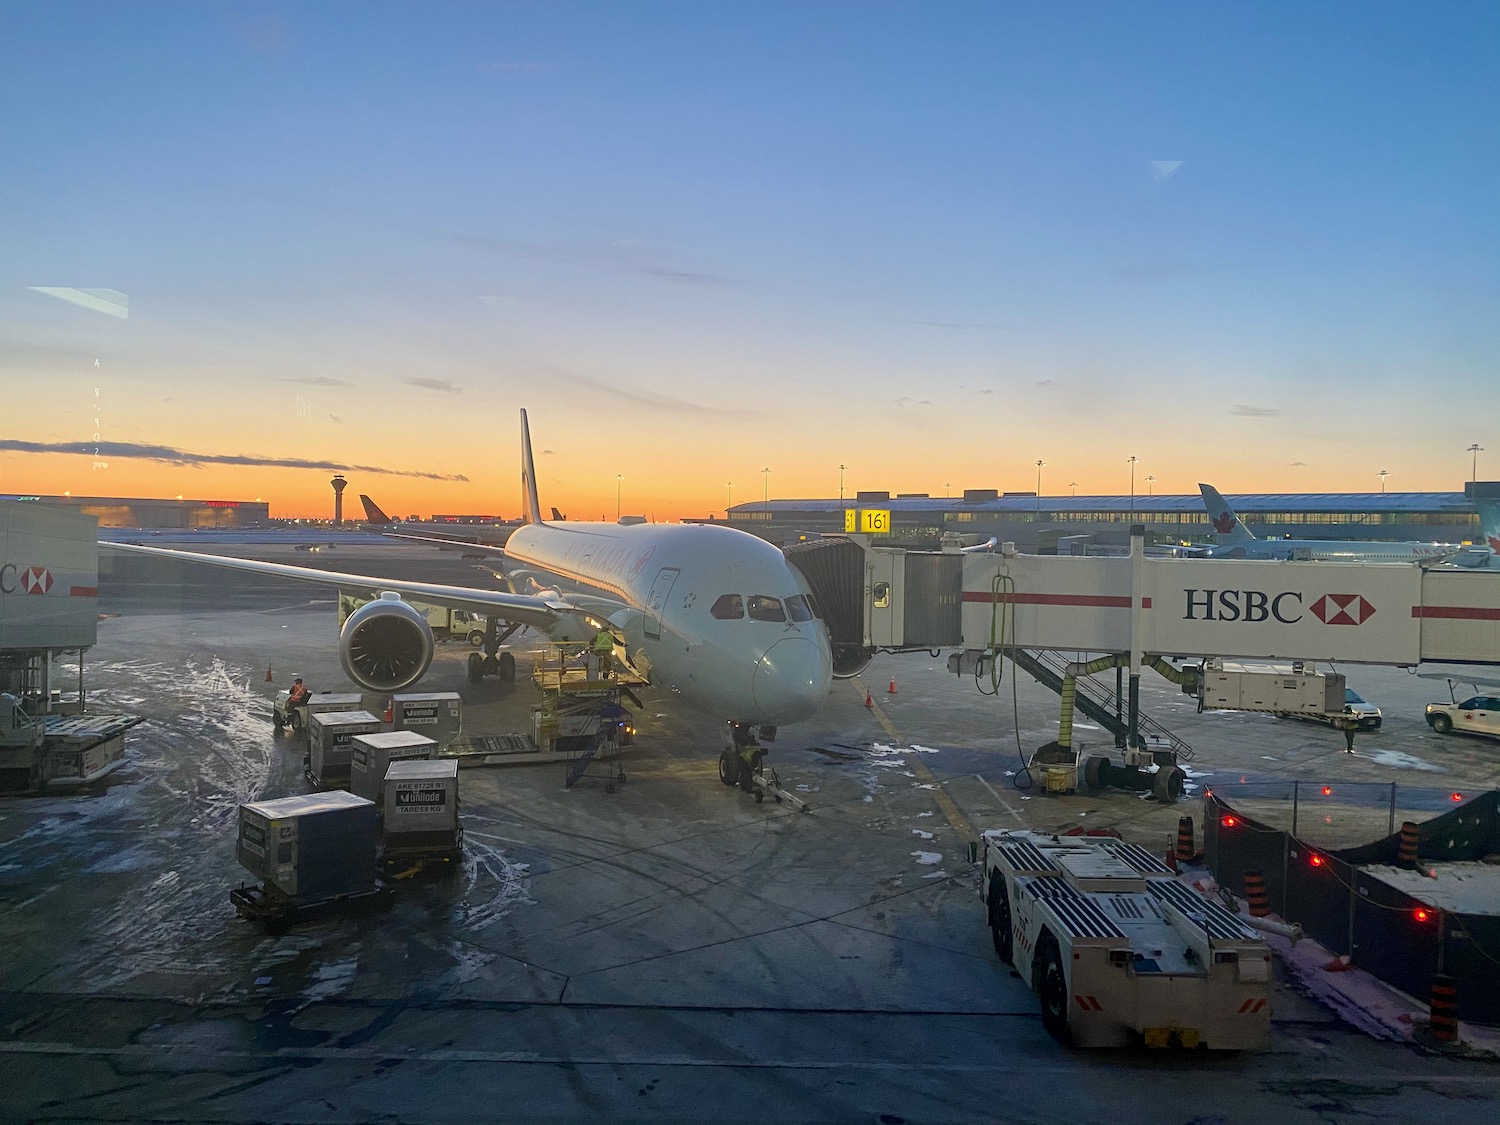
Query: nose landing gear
x,y
742,763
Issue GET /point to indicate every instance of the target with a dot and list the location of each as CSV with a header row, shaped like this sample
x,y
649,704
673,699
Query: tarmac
x,y
671,951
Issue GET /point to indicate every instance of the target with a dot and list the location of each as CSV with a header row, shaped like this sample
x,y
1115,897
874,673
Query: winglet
x,y
1229,527
373,514
528,475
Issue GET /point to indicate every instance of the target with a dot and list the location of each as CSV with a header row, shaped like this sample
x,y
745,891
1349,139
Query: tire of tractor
x,y
1052,989
1000,931
729,767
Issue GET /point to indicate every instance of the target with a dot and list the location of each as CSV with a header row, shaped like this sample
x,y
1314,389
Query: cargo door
x,y
661,589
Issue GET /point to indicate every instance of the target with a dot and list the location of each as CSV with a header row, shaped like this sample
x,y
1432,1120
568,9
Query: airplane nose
x,y
791,680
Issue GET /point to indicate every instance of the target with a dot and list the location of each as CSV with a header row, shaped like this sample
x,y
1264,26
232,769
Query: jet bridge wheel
x,y
1052,989
1167,785
1000,931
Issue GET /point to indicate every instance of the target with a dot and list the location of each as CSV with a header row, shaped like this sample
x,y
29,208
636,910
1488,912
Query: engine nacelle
x,y
385,645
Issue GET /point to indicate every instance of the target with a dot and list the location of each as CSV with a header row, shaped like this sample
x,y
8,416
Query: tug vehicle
x,y
1118,951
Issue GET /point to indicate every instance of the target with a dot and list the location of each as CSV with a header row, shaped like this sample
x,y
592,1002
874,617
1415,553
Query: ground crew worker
x,y
298,695
1349,737
604,648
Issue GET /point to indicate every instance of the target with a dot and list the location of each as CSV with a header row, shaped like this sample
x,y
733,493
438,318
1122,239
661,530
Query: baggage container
x,y
310,848
437,714
372,754
331,743
420,802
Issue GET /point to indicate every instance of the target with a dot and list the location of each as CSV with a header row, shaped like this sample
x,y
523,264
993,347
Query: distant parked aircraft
x,y
1236,541
373,514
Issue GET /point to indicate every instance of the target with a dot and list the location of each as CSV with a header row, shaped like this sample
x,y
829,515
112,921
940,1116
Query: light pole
x,y
1074,486
1382,475
766,476
841,484
1132,459
1150,486
619,482
1475,449
729,485
1039,465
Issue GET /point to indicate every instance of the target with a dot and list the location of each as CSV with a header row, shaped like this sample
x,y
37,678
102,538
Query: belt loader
x,y
1118,951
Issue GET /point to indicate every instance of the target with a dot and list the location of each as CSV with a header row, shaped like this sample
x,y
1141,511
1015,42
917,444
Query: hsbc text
x,y
1243,605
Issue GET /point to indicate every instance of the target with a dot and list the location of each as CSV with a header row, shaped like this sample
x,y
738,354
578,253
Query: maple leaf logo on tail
x,y
1494,542
1223,523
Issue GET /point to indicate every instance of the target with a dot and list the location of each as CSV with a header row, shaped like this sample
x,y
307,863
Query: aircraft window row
x,y
763,607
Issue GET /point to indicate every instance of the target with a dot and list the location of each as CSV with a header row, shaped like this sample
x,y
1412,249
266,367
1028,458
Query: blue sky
x,y
934,242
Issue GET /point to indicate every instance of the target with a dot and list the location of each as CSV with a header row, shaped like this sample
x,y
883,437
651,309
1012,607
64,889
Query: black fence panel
x,y
1234,844
1318,894
1391,940
1469,832
1470,956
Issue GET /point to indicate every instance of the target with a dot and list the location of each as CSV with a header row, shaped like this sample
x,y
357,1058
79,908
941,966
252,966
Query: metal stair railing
x,y
1048,667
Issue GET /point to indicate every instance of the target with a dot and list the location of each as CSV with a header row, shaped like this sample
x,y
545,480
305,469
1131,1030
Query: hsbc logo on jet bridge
x,y
1286,607
24,580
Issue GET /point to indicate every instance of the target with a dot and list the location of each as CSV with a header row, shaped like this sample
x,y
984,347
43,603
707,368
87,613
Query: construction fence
x,y
1397,937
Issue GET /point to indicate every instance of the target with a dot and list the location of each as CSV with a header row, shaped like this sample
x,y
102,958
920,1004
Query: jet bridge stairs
x,y
1100,704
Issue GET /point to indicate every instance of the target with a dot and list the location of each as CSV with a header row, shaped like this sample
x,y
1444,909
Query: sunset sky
x,y
1257,245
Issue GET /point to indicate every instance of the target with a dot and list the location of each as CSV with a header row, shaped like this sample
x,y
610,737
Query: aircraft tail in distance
x,y
1229,527
1489,522
528,475
373,514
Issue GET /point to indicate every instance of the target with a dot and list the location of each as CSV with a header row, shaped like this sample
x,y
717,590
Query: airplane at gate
x,y
718,614
1236,541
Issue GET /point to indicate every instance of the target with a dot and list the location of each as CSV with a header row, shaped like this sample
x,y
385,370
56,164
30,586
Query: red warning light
x,y
1421,914
1230,821
1328,790
1315,859
1456,797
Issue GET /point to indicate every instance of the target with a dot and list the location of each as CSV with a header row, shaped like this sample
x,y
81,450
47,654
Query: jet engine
x,y
385,645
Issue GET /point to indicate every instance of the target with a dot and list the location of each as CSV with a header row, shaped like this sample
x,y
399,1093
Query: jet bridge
x,y
1138,611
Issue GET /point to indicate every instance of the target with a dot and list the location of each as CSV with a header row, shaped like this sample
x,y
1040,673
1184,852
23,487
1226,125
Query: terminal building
x,y
1036,523
117,511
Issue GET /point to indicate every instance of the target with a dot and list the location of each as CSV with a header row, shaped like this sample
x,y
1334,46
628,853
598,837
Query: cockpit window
x,y
764,608
729,607
798,609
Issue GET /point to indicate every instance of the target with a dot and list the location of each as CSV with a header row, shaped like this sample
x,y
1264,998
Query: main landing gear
x,y
742,763
493,662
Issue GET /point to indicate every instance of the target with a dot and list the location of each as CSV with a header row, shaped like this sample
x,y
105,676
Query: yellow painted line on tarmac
x,y
951,812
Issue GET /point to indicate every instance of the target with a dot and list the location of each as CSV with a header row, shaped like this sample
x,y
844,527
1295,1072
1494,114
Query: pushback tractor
x,y
1118,951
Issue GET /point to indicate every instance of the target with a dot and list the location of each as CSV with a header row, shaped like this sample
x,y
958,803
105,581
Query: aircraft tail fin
x,y
1228,526
528,475
1489,522
373,514
558,517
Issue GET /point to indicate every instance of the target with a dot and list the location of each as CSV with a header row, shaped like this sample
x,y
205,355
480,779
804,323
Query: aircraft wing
x,y
472,544
540,610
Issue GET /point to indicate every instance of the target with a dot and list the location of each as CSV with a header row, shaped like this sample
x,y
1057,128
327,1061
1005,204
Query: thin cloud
x,y
446,386
169,456
315,381
637,397
969,325
623,255
1240,410
1299,465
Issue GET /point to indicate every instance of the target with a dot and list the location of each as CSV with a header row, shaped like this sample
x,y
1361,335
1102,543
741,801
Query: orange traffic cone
x,y
268,674
869,699
390,709
892,688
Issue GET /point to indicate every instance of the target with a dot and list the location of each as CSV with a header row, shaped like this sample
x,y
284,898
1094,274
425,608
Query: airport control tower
x,y
339,484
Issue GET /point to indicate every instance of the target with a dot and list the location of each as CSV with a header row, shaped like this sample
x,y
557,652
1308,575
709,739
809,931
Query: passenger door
x,y
661,589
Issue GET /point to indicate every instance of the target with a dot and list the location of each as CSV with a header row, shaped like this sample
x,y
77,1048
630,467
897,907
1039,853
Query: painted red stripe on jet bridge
x,y
83,591
1456,612
1096,601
